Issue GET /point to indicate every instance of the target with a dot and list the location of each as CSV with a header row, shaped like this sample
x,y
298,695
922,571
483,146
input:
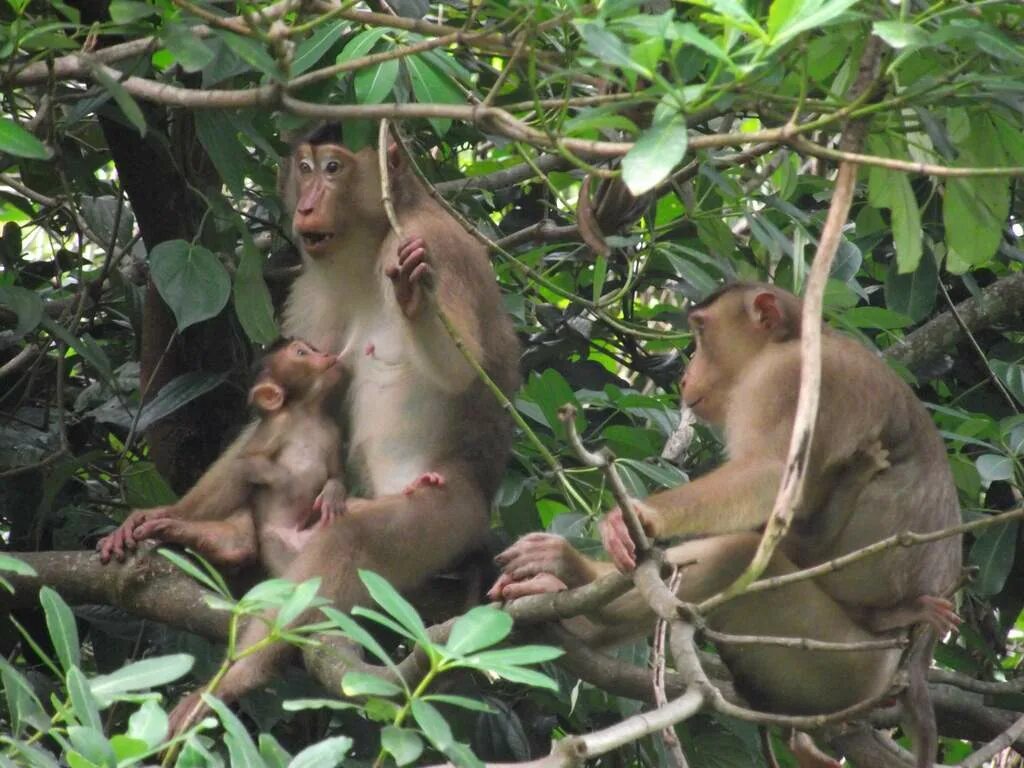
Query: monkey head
x,y
730,328
293,370
334,193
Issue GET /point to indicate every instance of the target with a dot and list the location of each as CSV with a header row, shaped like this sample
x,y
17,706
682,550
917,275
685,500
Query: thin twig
x,y
668,735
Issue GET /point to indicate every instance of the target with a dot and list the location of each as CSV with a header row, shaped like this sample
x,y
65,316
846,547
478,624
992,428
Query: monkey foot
x,y
939,612
426,480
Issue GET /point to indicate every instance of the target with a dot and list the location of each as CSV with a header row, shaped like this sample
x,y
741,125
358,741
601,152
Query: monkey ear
x,y
766,310
396,161
267,395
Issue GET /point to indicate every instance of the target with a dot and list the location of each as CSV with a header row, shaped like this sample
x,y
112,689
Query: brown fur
x,y
877,466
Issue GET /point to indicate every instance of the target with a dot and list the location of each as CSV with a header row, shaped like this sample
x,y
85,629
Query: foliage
x,y
150,151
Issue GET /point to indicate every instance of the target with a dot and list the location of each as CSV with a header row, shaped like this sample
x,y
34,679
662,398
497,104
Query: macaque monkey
x,y
287,473
877,467
426,441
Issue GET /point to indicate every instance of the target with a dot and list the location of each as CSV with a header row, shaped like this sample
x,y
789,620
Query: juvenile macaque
x,y
426,442
287,472
877,467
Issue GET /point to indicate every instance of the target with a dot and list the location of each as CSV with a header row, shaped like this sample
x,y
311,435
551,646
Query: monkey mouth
x,y
316,239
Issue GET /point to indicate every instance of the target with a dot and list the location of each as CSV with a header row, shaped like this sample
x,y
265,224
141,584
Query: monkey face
x,y
323,176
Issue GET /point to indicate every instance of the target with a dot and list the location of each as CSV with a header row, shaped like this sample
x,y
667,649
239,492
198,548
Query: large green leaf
x,y
325,754
481,627
23,706
190,279
26,305
310,51
190,51
253,305
652,158
433,724
432,87
403,745
993,553
374,84
148,724
177,393
357,683
60,623
15,140
252,52
140,675
397,606
241,748
912,294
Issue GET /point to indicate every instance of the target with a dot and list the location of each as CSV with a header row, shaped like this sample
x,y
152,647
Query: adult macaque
x,y
288,471
877,467
426,441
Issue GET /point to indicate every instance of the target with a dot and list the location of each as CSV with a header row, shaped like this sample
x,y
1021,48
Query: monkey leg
x,y
228,543
404,538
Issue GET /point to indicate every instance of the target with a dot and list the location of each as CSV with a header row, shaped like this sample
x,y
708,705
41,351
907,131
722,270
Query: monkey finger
x,y
541,584
409,246
494,593
424,274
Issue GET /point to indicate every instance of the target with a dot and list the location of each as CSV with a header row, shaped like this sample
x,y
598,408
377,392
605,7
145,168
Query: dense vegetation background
x,y
624,158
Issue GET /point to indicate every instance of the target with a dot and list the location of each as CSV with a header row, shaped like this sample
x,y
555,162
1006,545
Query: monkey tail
x,y
918,712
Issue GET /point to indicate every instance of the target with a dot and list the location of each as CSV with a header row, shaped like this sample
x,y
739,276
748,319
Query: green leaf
x,y
403,745
251,52
459,701
140,675
23,706
240,745
607,47
127,11
481,627
993,553
361,44
892,190
524,676
273,754
128,749
898,34
297,603
522,654
187,566
550,391
366,684
374,84
33,756
219,136
1012,375
253,306
432,87
16,566
190,51
974,211
175,394
912,295
15,140
84,345
326,754
808,18
433,724
92,745
25,304
121,97
994,468
148,724
312,49
355,632
60,622
83,703
190,279
652,158
397,606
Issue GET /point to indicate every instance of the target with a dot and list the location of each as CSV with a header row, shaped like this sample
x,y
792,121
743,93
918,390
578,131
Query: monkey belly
x,y
795,681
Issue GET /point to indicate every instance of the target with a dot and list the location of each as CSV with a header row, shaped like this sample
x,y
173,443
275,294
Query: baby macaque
x,y
286,474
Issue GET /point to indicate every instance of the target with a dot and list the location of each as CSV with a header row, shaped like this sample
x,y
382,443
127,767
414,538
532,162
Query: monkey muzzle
x,y
313,239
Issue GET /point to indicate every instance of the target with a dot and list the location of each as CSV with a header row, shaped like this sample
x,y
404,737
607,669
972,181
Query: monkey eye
x,y
305,166
332,166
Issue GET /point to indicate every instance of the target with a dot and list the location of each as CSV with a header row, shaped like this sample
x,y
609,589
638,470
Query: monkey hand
x,y
412,276
616,539
331,502
542,553
125,537
506,588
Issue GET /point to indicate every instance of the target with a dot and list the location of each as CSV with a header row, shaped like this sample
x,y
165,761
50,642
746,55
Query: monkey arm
x,y
434,350
735,497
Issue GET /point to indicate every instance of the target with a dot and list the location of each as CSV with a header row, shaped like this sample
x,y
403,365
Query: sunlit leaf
x,y
652,158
